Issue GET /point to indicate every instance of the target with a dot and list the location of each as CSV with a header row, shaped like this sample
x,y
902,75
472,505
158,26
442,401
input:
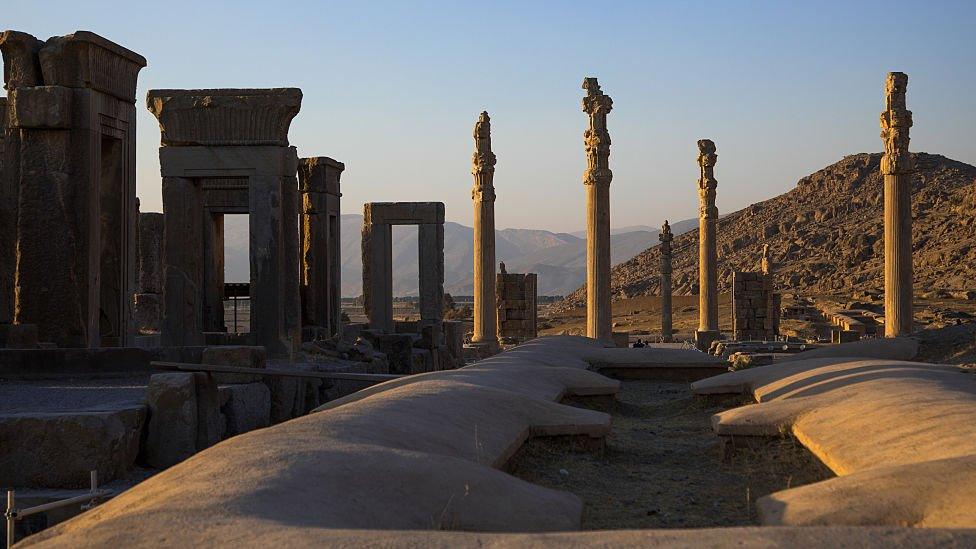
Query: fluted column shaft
x,y
897,168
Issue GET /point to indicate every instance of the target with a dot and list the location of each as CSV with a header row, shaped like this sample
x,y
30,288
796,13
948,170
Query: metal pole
x,y
11,516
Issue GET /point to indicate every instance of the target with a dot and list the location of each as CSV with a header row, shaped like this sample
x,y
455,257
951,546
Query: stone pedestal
x,y
226,152
707,252
320,239
517,307
597,178
71,171
483,196
666,237
897,168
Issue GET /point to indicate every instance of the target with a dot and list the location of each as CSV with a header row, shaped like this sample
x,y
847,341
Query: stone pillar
x,y
377,249
707,252
148,304
897,168
431,253
183,267
72,104
483,195
596,178
321,260
666,237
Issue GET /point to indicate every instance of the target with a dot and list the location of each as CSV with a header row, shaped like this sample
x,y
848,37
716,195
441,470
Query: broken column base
x,y
704,339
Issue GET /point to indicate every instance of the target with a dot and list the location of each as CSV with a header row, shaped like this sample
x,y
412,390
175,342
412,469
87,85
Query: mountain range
x,y
558,258
826,234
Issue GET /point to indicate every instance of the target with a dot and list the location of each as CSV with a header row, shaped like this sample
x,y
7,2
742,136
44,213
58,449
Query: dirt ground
x,y
664,468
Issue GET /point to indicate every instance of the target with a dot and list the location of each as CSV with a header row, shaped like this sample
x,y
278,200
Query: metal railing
x,y
13,514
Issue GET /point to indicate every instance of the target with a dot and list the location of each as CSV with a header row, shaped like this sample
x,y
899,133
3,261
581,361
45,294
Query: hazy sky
x,y
393,89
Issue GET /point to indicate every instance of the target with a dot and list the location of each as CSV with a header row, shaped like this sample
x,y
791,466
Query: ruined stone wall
x,y
755,307
72,201
516,306
148,306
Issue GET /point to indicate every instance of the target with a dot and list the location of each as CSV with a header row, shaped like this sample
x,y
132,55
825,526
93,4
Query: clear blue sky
x,y
393,89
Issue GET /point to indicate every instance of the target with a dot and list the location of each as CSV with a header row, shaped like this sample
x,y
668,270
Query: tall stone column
x,y
666,237
483,196
897,168
707,253
596,178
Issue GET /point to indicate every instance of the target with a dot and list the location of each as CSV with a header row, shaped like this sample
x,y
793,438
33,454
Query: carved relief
x,y
596,138
895,123
483,161
707,182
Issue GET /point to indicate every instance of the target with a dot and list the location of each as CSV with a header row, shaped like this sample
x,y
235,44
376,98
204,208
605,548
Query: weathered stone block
x,y
247,407
210,427
172,428
41,107
241,356
225,116
57,450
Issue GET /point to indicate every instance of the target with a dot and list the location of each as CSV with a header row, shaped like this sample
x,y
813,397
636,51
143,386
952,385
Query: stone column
x,y
483,195
319,185
666,237
707,253
377,250
897,168
596,178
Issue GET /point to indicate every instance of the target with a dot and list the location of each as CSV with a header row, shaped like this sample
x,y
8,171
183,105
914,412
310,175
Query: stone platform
x,y
400,462
898,434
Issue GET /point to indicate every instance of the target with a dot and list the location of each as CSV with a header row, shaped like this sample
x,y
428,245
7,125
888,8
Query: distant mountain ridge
x,y
826,234
558,258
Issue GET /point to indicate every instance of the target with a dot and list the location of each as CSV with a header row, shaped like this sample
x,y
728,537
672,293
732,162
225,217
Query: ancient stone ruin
x,y
122,387
897,168
148,300
69,208
224,152
517,311
596,179
707,251
666,237
321,261
483,196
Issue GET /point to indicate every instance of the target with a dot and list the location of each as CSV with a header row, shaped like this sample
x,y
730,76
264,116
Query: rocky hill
x,y
826,234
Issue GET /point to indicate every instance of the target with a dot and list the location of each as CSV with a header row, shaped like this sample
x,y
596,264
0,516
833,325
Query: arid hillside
x,y
826,234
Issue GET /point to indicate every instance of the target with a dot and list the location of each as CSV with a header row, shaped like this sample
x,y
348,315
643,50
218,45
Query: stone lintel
x,y
403,213
41,107
86,60
227,162
225,116
319,174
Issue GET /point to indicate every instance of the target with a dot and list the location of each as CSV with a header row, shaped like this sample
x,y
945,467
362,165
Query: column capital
x,y
896,120
706,181
596,138
483,161
666,235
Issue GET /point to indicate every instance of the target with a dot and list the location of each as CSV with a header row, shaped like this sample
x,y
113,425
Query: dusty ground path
x,y
663,467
